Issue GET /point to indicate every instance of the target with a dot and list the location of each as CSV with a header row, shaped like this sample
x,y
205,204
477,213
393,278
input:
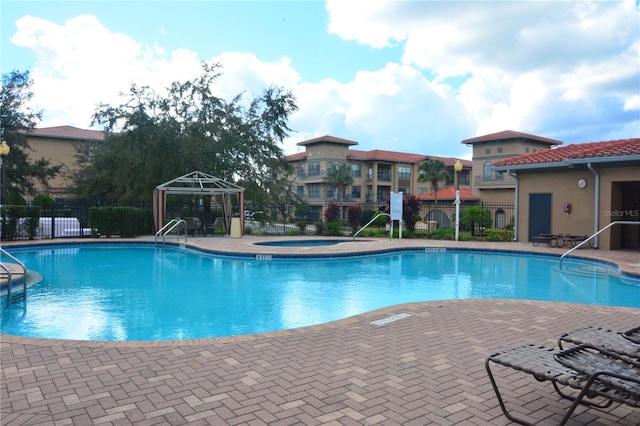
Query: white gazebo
x,y
198,183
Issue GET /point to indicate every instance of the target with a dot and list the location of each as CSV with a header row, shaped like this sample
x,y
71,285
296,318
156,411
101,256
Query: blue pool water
x,y
143,292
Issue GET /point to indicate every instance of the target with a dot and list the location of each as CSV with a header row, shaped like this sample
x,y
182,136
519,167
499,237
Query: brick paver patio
x,y
427,367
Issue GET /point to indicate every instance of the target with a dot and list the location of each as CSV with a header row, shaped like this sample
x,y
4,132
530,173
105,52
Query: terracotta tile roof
x,y
298,156
67,132
449,194
391,156
382,155
585,151
510,134
327,138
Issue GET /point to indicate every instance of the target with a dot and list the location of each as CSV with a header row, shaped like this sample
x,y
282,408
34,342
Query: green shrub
x,y
19,221
442,234
43,201
302,225
333,228
122,221
494,234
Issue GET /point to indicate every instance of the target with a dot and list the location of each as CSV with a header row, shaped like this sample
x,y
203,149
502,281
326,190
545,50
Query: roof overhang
x,y
569,162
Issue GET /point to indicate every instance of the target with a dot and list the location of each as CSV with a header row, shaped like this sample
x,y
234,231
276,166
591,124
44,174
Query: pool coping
x,y
626,261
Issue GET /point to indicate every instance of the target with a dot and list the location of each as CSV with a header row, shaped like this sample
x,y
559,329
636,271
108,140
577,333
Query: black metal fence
x,y
69,218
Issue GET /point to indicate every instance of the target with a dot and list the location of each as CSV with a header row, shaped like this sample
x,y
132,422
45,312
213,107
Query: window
x,y
314,190
500,219
384,173
422,190
404,173
300,191
499,175
314,169
487,151
370,173
487,170
301,170
356,170
356,192
405,191
500,150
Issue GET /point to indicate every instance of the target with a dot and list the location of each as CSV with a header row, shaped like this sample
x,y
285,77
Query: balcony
x,y
504,181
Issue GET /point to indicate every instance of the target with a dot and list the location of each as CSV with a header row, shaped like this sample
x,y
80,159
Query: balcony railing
x,y
504,181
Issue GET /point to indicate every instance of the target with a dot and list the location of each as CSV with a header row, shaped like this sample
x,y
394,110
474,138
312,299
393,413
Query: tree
x,y
339,177
475,216
154,138
433,171
410,211
17,119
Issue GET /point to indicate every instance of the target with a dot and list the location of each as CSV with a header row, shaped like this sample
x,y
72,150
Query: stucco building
x,y
492,185
58,145
376,174
578,189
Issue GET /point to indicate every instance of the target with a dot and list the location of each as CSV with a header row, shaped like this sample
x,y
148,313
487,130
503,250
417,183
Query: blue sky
x,y
413,76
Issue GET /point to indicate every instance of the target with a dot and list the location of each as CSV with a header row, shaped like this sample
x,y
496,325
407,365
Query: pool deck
x,y
427,367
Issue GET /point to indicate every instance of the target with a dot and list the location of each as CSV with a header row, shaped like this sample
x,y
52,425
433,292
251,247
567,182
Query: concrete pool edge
x,y
366,317
424,369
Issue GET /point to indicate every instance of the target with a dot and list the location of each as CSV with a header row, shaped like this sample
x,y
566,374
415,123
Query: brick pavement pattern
x,y
425,368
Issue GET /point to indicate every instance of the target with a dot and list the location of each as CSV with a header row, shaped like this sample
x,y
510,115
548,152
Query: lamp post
x,y
457,168
4,151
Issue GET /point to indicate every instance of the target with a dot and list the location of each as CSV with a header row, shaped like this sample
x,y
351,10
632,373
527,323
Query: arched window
x,y
487,170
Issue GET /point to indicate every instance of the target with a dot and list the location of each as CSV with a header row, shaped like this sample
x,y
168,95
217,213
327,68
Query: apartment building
x,y
495,185
59,145
375,174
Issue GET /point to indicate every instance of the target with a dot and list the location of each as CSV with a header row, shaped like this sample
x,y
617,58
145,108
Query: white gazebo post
x,y
457,168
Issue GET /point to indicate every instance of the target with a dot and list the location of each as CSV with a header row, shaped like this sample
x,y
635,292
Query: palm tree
x,y
433,171
339,176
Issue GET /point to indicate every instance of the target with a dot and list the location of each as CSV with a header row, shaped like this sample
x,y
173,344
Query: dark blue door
x,y
539,214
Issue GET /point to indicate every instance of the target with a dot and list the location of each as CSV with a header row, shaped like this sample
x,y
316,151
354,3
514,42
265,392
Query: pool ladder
x,y
11,298
170,226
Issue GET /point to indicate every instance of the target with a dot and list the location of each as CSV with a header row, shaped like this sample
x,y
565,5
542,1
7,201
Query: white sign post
x,y
396,211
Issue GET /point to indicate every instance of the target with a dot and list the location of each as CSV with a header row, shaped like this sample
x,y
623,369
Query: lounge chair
x,y
587,368
622,343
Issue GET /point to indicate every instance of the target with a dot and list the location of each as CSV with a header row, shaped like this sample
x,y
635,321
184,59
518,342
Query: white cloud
x,y
395,109
513,56
557,69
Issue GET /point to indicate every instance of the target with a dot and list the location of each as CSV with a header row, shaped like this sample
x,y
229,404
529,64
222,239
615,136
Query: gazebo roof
x,y
199,183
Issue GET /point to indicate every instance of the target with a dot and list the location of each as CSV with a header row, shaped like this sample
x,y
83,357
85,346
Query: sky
x,y
409,76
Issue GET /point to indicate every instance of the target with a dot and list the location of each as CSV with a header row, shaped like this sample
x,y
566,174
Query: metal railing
x,y
170,226
618,222
10,276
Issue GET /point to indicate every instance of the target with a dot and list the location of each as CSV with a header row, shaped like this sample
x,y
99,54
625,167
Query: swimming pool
x,y
144,292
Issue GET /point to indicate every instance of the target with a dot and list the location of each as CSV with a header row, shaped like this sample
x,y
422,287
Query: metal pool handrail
x,y
170,226
621,222
10,275
369,223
